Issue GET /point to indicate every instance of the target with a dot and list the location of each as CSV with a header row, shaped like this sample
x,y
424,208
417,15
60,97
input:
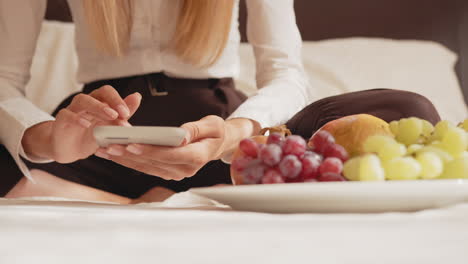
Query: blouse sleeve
x,y
20,23
283,85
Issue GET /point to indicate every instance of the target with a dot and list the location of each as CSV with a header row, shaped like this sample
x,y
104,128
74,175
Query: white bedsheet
x,y
41,231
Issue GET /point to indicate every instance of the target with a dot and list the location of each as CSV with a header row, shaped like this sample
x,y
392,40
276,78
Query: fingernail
x,y
111,112
84,123
102,154
114,151
187,139
134,149
125,123
139,95
123,110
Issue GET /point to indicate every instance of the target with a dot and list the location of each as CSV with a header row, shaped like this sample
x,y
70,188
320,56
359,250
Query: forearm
x,y
36,140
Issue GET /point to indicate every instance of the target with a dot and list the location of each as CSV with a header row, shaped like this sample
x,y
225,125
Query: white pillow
x,y
346,65
333,66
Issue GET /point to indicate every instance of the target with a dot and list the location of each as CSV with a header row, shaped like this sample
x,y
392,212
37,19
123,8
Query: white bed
x,y
66,232
51,230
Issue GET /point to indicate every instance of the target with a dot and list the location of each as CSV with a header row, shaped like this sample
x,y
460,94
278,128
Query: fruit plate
x,y
340,197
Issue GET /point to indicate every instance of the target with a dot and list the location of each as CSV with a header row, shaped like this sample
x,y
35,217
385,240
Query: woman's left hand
x,y
206,140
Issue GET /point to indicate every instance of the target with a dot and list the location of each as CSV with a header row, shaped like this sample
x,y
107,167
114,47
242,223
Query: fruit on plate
x,y
457,168
418,151
244,158
464,125
364,168
352,131
385,147
411,130
406,149
285,158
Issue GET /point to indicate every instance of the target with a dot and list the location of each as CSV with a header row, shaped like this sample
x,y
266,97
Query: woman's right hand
x,y
70,136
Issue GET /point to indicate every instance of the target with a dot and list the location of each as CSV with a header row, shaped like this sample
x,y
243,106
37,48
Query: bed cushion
x,y
352,64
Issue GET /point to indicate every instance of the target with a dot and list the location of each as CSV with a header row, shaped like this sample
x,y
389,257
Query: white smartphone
x,y
153,135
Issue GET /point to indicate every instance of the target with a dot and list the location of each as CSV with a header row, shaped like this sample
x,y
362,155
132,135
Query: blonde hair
x,y
200,37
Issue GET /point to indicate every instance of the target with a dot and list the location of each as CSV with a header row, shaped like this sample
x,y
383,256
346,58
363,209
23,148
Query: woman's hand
x,y
207,139
70,136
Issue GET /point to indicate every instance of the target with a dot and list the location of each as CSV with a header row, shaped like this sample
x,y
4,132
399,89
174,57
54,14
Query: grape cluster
x,y
418,151
289,159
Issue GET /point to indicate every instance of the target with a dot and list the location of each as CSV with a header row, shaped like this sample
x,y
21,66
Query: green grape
x,y
443,155
409,130
385,146
351,169
436,144
405,168
439,130
454,141
457,168
428,128
464,154
413,148
392,151
370,168
464,125
431,165
394,127
374,144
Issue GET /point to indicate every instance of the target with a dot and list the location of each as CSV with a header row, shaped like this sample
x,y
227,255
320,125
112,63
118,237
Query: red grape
x,y
272,176
294,145
311,180
314,155
333,165
253,174
290,166
275,138
330,177
310,168
249,147
337,151
271,154
321,140
241,163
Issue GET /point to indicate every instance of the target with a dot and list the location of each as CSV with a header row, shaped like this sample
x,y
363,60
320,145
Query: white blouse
x,y
271,30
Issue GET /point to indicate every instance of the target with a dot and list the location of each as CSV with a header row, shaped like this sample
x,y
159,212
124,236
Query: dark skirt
x,y
189,100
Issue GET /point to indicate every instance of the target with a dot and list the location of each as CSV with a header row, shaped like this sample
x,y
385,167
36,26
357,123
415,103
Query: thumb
x,y
207,127
133,102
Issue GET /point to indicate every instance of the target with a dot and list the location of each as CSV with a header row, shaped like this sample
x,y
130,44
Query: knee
x,y
417,105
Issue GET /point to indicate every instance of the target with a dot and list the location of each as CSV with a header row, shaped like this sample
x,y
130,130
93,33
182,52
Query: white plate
x,y
340,197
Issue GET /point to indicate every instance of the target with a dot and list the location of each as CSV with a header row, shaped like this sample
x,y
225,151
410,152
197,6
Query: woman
x,y
163,63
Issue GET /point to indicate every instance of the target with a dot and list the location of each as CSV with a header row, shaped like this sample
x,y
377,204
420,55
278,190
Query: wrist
x,y
36,140
238,129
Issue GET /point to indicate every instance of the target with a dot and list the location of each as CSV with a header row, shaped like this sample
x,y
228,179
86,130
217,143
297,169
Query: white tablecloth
x,y
48,231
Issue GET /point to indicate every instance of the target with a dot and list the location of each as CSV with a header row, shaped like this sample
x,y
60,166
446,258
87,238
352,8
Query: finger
x,y
107,94
86,103
179,169
207,127
133,102
139,166
66,118
192,154
115,150
121,151
124,123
